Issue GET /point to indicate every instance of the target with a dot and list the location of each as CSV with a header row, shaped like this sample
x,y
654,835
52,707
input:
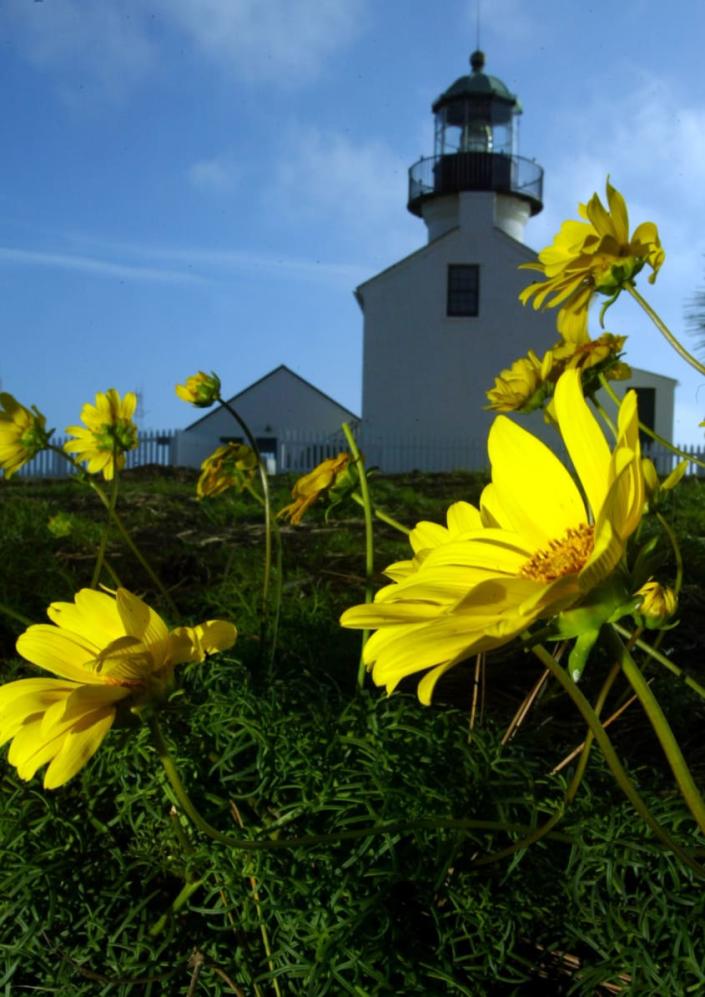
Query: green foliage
x,y
106,891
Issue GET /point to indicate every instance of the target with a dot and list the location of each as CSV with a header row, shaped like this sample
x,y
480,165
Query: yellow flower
x,y
524,386
658,604
593,255
230,466
533,549
111,653
22,434
307,489
591,357
109,433
200,389
655,489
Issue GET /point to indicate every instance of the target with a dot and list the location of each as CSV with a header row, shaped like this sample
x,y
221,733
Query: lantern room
x,y
476,144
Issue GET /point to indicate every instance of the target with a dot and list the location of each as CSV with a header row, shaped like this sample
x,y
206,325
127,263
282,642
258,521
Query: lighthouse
x,y
476,149
441,323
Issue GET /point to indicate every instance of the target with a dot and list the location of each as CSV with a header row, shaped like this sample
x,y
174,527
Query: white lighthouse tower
x,y
440,324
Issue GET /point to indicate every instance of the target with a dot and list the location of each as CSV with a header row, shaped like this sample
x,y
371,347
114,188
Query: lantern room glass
x,y
476,125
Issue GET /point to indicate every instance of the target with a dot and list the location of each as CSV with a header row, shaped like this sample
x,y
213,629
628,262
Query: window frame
x,y
453,308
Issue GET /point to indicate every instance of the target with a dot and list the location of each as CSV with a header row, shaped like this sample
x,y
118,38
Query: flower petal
x,y
583,438
550,503
79,745
58,651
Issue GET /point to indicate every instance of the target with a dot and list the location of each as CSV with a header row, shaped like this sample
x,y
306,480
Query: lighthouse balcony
x,y
452,173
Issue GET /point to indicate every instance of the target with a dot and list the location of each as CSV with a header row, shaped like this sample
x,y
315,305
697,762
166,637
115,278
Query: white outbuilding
x,y
289,417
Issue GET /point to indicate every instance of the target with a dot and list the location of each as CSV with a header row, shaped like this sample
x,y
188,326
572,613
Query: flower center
x,y
33,439
562,557
117,437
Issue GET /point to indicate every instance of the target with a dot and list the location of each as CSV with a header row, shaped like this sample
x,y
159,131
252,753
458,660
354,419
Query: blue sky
x,y
194,184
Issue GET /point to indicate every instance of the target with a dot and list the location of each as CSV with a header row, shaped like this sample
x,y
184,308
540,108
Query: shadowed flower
x,y
594,255
109,433
111,654
22,434
231,466
524,386
658,604
533,549
307,489
201,390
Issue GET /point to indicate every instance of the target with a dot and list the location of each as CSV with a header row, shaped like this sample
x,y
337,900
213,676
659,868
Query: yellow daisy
x,y
201,390
22,434
524,386
593,255
307,489
108,434
231,466
110,653
532,549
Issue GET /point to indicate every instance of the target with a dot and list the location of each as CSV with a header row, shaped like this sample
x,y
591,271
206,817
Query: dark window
x,y
646,402
463,289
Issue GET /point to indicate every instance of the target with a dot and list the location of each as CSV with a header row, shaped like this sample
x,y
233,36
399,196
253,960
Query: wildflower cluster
x,y
107,434
549,556
111,653
23,434
231,466
593,256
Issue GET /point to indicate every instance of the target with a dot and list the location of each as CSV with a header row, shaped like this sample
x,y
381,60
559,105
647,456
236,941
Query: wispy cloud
x,y
275,40
98,48
10,255
101,49
213,176
359,187
187,264
271,264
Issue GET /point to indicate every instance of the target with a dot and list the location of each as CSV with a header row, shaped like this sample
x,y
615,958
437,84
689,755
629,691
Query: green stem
x,y
662,660
651,433
84,478
369,538
663,731
187,890
605,417
612,759
664,330
8,611
278,589
570,792
264,482
391,827
677,554
106,529
137,553
383,516
278,583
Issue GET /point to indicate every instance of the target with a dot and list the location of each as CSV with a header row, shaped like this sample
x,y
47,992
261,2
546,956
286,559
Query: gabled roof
x,y
527,251
265,377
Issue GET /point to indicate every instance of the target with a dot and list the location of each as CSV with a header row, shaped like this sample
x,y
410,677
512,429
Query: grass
x,y
93,874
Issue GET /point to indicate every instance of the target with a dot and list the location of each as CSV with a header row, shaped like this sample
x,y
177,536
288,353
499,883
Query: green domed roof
x,y
477,84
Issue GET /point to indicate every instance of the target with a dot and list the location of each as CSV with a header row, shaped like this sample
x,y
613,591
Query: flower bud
x,y
201,390
658,604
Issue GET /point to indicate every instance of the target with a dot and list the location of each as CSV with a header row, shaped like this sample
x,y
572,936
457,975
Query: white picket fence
x,y
299,451
154,447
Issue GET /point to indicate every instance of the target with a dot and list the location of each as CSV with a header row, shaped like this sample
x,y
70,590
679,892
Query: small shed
x,y
280,408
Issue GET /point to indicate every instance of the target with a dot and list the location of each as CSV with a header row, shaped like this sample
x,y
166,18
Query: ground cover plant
x,y
187,812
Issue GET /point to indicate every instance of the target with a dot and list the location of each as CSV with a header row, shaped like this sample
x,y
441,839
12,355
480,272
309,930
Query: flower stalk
x,y
612,759
267,505
662,729
664,330
369,537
